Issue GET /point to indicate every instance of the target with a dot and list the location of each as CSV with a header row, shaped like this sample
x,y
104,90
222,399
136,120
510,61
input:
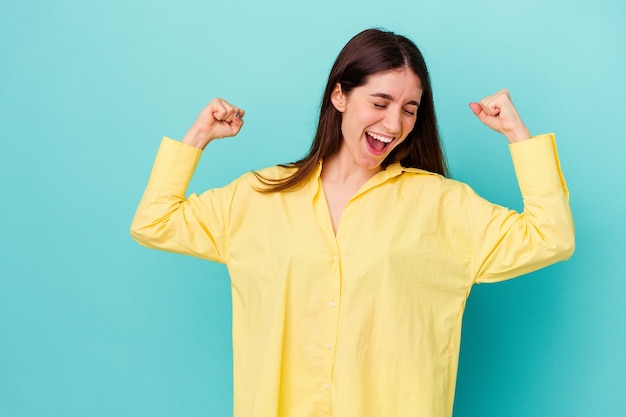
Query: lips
x,y
377,143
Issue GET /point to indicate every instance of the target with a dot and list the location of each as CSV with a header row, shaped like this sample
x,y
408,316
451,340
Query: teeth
x,y
383,139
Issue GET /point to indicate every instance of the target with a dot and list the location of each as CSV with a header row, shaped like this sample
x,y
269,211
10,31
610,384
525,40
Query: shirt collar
x,y
393,170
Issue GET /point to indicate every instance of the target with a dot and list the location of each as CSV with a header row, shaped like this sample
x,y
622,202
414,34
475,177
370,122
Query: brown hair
x,y
370,52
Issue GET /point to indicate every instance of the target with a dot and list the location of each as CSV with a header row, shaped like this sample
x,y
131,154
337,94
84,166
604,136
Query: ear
x,y
338,98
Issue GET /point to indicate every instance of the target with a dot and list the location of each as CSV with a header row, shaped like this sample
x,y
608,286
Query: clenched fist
x,y
498,112
219,119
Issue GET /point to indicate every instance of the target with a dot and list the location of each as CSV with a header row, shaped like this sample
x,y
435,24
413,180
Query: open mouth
x,y
378,143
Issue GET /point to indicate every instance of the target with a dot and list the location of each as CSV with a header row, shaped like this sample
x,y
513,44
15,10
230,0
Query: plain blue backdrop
x,y
92,324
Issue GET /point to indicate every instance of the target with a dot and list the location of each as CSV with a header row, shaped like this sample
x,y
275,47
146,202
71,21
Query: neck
x,y
341,169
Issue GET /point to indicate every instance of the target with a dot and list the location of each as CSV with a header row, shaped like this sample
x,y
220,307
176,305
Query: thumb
x,y
476,108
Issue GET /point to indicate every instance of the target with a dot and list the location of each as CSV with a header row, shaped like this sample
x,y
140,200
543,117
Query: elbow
x,y
136,232
141,233
569,247
560,237
150,233
565,246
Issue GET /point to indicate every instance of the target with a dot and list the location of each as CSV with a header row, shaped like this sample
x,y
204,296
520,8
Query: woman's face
x,y
377,116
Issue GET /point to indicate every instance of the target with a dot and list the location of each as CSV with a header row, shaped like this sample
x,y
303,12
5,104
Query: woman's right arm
x,y
165,219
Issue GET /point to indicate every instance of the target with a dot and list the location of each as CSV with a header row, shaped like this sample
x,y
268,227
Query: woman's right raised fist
x,y
219,119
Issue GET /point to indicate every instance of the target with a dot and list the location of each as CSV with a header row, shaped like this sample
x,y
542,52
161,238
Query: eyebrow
x,y
388,97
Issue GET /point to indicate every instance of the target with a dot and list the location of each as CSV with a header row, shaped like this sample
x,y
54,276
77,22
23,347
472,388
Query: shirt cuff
x,y
537,165
174,166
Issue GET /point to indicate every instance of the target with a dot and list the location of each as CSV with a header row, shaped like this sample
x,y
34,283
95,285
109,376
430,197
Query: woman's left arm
x,y
508,243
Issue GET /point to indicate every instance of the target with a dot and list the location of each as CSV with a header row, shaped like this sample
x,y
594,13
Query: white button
x,y
331,304
328,346
335,258
326,386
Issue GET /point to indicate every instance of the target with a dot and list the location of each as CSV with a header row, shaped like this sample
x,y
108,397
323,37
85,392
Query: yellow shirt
x,y
367,322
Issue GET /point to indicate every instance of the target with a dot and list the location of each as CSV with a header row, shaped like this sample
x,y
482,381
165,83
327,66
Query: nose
x,y
393,121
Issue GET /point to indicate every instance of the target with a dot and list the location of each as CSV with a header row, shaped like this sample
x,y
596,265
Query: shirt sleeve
x,y
508,243
166,220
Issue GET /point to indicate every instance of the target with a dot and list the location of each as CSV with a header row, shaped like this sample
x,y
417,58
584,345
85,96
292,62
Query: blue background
x,y
92,324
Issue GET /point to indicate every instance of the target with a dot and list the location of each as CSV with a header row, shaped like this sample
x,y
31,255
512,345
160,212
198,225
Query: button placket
x,y
332,314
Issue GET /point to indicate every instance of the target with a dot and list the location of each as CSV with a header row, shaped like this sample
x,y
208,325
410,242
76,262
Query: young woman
x,y
351,267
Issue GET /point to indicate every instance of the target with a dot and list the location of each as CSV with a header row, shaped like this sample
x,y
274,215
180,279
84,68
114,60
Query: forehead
x,y
401,82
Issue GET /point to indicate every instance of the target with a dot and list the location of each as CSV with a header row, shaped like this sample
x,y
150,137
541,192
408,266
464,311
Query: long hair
x,y
370,52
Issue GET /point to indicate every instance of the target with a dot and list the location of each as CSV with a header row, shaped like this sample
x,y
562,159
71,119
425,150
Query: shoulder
x,y
436,186
256,181
414,175
276,172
